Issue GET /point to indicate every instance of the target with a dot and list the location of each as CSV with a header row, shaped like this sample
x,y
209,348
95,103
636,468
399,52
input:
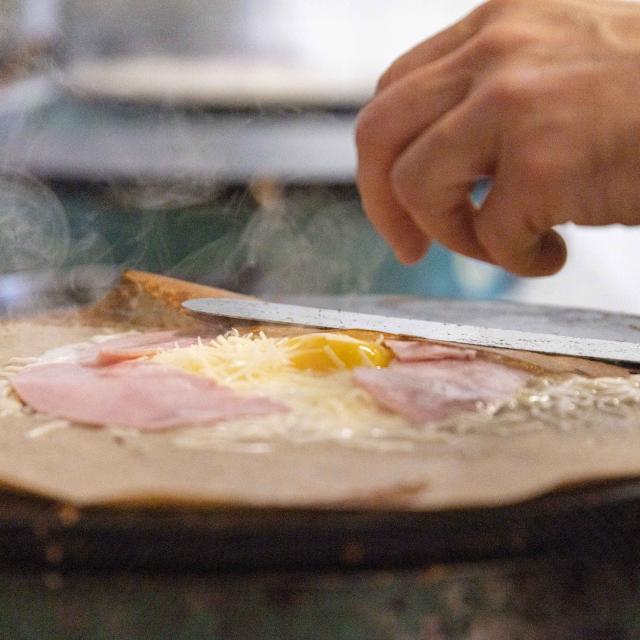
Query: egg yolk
x,y
330,351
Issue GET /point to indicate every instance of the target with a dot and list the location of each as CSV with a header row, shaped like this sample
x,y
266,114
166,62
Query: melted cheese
x,y
324,405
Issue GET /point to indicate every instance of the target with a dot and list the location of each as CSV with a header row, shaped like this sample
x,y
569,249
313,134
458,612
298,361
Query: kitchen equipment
x,y
612,350
563,565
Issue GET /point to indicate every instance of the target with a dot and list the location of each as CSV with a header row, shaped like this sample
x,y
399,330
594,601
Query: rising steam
x,y
298,244
37,247
34,231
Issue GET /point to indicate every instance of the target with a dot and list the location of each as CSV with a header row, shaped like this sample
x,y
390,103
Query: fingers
x,y
439,122
512,228
432,180
434,176
385,128
434,48
390,220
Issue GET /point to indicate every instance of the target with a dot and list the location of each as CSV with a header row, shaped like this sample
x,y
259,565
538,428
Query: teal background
x,y
303,249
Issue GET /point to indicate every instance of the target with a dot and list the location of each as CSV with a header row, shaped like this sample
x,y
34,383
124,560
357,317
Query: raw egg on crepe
x,y
330,351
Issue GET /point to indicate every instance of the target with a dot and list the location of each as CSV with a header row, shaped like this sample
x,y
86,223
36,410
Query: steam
x,y
266,240
36,245
146,195
34,231
301,243
309,241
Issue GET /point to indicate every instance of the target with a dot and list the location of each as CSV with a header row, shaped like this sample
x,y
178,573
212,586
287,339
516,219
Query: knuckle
x,y
504,38
540,162
510,89
494,8
369,127
409,175
494,40
439,139
521,34
387,78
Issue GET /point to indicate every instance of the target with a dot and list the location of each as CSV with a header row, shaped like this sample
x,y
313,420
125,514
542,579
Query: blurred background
x,y
213,140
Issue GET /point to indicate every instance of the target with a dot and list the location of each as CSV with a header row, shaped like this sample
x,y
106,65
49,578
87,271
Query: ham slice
x,y
428,391
418,351
142,395
134,346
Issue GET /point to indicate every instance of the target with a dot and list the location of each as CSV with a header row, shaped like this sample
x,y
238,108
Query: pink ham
x,y
142,395
428,391
134,346
417,351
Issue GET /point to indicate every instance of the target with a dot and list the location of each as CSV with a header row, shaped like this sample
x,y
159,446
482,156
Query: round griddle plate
x,y
42,534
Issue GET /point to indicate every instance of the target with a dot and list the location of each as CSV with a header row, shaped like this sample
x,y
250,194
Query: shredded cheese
x,y
329,407
322,406
240,362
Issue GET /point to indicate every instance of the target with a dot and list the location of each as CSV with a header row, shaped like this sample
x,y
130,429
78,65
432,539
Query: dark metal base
x,y
44,535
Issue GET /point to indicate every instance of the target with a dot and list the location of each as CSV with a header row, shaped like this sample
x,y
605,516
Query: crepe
x,y
89,466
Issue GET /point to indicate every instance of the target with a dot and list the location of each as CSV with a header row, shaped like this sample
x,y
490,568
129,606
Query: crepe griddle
x,y
40,533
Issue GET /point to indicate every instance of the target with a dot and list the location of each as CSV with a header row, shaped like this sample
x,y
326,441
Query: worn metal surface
x,y
39,533
499,314
459,331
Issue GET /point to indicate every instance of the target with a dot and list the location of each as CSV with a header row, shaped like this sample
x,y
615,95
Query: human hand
x,y
541,95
